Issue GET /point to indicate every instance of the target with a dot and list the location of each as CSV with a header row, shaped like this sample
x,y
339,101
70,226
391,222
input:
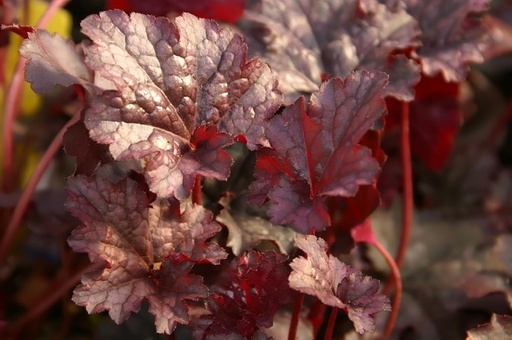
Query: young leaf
x,y
452,35
149,250
316,152
246,231
304,39
337,284
248,296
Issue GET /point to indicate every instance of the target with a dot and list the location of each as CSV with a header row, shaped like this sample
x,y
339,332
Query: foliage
x,y
213,141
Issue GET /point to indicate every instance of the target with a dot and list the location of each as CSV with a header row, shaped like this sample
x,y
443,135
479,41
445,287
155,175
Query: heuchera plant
x,y
302,87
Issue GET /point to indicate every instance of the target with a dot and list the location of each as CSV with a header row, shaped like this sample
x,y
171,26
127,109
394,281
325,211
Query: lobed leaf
x,y
304,39
452,35
172,78
316,152
121,288
168,95
336,284
149,250
245,300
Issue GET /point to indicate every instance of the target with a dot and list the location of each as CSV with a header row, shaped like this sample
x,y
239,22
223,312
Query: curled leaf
x,y
337,284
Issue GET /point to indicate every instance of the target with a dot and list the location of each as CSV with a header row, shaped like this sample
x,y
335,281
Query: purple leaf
x,y
452,35
304,39
337,284
316,151
136,240
179,75
172,78
155,83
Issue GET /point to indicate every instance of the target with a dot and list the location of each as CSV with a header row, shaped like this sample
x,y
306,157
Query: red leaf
x,y
88,153
434,124
316,151
248,296
21,30
435,119
225,10
124,5
354,210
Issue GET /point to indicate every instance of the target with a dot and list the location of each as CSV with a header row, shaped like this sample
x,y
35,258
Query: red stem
x,y
397,279
12,101
294,322
24,201
408,200
330,324
316,316
196,190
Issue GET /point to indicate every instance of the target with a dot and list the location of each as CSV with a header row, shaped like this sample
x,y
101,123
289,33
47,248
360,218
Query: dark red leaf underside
x,y
435,119
225,10
248,296
88,153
